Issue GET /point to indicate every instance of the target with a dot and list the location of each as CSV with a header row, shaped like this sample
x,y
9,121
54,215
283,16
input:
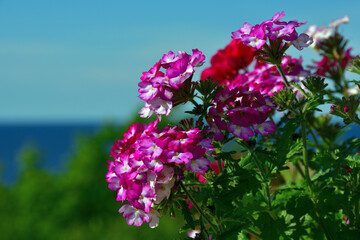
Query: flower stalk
x,y
198,208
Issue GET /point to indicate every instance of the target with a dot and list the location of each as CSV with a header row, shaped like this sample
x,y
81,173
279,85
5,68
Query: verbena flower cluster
x,y
241,112
156,87
327,66
266,79
247,82
273,29
145,165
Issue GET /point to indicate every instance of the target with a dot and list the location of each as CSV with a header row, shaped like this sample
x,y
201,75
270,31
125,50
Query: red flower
x,y
227,62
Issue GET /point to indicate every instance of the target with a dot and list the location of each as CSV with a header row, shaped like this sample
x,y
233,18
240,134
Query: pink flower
x,y
257,36
240,111
179,158
346,220
241,132
266,79
163,190
133,215
156,87
215,167
328,67
144,166
198,165
264,128
193,233
154,218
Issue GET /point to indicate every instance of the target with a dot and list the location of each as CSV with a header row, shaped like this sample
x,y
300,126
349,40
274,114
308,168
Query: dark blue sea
x,y
54,142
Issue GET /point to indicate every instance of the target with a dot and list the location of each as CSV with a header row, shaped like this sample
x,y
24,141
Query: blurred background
x,y
68,89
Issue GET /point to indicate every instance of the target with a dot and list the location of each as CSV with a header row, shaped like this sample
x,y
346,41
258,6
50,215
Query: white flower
x,y
339,21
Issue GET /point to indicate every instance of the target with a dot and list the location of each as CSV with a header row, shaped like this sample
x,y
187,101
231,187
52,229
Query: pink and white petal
x,y
241,132
133,215
154,218
264,128
198,165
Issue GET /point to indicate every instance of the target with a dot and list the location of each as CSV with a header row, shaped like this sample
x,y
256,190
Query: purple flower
x,y
264,128
302,41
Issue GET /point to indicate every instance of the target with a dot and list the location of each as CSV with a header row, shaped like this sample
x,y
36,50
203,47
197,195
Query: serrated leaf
x,y
187,214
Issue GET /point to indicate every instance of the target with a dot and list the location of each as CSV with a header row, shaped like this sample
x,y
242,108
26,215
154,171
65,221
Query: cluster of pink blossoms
x,y
145,163
156,87
266,79
256,36
328,67
241,112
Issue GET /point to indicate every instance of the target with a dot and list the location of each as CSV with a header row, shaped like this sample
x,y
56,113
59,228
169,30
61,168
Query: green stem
x,y
264,178
198,208
308,180
322,225
357,213
252,232
305,157
299,170
314,137
356,121
267,189
282,75
194,102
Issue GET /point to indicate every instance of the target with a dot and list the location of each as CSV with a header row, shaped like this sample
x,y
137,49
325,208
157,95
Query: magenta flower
x,y
179,158
239,110
258,35
156,87
198,165
143,170
240,132
266,79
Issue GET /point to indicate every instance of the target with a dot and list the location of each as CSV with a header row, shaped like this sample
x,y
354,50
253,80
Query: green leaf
x,y
285,142
187,214
270,229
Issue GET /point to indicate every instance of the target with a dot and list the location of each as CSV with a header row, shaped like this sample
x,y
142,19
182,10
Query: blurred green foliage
x,y
75,204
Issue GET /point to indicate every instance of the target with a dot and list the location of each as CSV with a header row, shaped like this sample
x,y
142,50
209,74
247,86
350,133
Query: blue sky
x,y
80,61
